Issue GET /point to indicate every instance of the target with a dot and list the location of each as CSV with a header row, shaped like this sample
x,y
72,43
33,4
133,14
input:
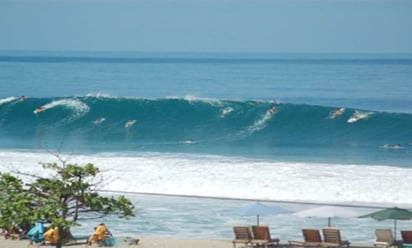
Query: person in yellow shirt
x,y
51,235
99,234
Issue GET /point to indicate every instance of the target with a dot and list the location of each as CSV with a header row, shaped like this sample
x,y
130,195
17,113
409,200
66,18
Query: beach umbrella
x,y
258,209
394,214
328,212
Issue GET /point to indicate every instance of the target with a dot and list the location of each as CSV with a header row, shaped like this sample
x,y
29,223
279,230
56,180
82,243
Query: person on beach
x,y
6,234
51,235
101,232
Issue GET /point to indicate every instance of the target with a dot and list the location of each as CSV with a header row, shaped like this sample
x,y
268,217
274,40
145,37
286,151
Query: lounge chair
x,y
261,236
332,238
384,239
406,239
243,235
311,237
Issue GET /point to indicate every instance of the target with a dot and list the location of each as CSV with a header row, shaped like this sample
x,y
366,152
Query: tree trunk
x,y
59,243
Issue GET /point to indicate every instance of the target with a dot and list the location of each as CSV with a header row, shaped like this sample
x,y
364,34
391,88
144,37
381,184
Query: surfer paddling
x,y
336,113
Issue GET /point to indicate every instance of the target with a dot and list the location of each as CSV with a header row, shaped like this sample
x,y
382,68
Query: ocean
x,y
223,130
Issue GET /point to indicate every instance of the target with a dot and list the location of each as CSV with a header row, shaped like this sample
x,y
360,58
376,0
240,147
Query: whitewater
x,y
198,128
234,177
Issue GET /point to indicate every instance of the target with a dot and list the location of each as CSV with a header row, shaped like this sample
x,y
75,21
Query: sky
x,y
276,26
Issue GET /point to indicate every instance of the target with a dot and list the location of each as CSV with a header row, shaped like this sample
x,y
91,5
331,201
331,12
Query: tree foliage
x,y
62,199
15,204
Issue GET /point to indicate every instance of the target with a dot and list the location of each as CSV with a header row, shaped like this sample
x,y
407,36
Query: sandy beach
x,y
144,242
155,242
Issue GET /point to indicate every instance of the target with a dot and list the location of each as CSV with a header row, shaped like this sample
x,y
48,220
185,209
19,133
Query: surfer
x,y
226,111
23,98
98,121
275,101
190,141
129,123
336,113
397,146
39,109
356,116
272,110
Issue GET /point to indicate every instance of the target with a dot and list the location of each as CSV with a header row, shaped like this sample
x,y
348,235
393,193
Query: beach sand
x,y
144,242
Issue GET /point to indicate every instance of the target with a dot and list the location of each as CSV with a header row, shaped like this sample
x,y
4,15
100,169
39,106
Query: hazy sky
x,y
371,26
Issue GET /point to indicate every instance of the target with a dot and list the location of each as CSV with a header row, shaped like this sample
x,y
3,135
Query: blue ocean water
x,y
199,124
296,132
217,101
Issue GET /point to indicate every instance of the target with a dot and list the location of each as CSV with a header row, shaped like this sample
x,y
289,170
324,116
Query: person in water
x,y
272,110
356,116
336,112
397,146
23,98
39,109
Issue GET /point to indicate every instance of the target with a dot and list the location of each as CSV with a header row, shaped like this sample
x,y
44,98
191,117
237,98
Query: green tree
x,y
15,204
66,197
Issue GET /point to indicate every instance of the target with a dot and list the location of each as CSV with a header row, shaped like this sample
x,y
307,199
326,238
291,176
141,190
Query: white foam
x,y
7,100
258,124
191,98
236,177
71,103
99,95
79,108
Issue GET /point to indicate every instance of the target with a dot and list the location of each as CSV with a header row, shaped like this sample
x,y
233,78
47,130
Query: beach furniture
x,y
384,239
406,239
332,238
243,235
261,236
312,238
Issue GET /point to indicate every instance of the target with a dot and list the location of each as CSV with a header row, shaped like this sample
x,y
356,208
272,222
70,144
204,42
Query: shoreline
x,y
369,205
